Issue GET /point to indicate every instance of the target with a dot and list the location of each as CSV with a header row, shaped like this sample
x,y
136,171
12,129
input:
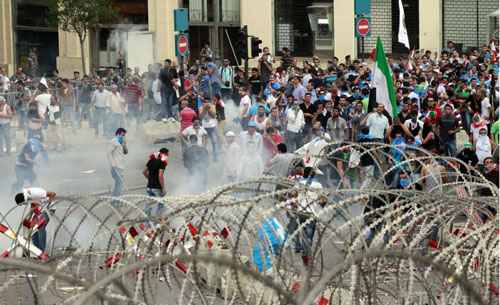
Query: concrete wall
x,y
259,16
460,20
161,23
381,25
430,35
345,42
6,37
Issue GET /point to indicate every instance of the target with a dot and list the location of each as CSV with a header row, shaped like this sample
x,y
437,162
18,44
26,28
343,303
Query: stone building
x,y
307,27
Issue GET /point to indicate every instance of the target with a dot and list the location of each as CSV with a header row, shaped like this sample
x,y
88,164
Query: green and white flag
x,y
382,80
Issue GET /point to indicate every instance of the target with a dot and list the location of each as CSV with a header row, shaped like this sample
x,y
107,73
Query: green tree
x,y
80,16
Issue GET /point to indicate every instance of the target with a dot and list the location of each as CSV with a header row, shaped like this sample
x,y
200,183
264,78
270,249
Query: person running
x,y
154,173
38,219
116,157
25,164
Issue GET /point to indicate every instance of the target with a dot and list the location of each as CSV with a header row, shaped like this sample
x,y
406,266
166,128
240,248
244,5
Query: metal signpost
x,y
181,26
363,29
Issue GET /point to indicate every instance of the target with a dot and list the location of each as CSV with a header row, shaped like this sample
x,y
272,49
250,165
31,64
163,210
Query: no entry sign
x,y
182,45
363,27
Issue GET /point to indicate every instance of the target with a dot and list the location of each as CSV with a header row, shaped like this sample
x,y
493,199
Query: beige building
x,y
307,27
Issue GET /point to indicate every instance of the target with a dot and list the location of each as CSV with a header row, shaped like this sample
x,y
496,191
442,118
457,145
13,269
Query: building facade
x,y
307,27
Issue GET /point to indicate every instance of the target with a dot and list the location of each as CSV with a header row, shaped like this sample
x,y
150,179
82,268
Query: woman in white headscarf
x,y
251,144
483,146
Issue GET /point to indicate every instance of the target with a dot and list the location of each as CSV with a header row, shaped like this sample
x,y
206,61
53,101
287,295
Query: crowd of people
x,y
283,107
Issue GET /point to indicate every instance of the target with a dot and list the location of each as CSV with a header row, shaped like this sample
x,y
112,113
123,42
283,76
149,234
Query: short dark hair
x,y
120,130
168,61
19,198
282,148
308,172
164,150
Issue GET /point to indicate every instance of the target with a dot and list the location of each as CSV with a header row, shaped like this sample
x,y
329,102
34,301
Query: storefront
x,y
35,38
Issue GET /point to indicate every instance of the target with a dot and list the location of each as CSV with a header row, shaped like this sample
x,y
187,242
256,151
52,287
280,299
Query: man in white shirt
x,y
196,129
4,81
378,124
116,105
226,75
251,144
116,157
305,213
100,100
245,103
38,219
34,194
295,124
43,100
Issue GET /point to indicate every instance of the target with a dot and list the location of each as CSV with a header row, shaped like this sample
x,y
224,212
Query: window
x,y
230,11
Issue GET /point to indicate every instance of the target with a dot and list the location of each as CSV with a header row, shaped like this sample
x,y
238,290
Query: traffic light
x,y
242,44
256,50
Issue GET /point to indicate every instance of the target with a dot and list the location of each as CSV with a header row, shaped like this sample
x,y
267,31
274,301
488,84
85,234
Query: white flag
x,y
402,34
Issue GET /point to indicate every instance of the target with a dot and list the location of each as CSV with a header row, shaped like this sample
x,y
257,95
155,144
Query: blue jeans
x,y
99,119
35,133
167,102
115,122
117,174
293,140
22,116
450,147
23,174
148,208
303,240
39,238
134,113
5,137
372,232
212,135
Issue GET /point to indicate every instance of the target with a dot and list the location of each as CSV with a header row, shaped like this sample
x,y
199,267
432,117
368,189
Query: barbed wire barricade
x,y
233,245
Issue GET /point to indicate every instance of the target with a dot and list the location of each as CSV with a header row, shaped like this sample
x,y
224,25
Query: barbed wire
x,y
204,249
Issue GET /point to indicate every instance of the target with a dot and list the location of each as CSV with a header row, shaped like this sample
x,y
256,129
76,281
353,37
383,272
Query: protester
x,y
196,162
232,152
39,218
116,157
154,172
208,116
25,164
5,121
99,101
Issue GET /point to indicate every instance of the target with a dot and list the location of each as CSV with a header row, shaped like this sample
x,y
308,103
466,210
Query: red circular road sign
x,y
182,44
363,27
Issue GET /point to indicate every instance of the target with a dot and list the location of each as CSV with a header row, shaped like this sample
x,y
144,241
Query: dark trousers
x,y
23,174
167,102
303,239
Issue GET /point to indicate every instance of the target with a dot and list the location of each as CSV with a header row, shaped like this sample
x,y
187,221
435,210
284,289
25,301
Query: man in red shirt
x,y
134,97
187,115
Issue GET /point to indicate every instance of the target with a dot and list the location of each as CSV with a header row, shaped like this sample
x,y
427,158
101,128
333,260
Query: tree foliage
x,y
79,16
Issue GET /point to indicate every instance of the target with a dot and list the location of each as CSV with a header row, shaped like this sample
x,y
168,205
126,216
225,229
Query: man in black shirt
x,y
154,173
468,156
309,111
448,127
167,77
491,174
255,84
